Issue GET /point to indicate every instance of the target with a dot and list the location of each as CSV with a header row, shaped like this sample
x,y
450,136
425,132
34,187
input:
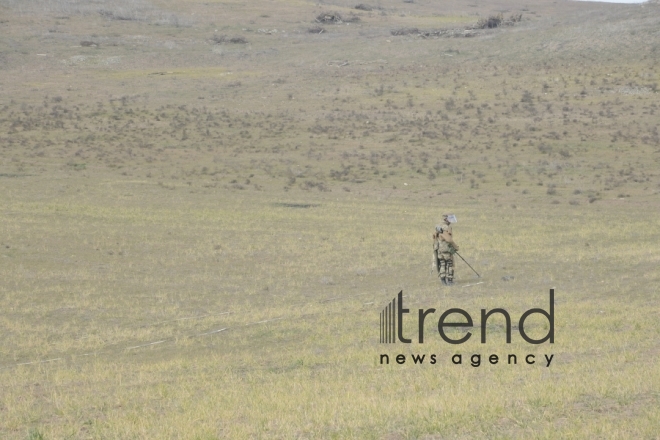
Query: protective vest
x,y
440,245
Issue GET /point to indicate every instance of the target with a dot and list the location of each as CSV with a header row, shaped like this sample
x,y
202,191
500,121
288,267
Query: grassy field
x,y
206,205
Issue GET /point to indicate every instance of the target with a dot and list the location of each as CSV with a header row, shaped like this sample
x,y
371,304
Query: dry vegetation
x,y
207,204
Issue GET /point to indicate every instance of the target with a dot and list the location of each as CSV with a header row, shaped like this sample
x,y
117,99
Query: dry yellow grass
x,y
313,371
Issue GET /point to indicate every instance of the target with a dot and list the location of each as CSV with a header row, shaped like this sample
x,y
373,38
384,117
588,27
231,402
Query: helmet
x,y
451,218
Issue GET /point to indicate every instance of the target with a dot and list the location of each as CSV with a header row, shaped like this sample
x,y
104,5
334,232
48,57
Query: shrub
x,y
491,22
221,39
404,31
329,17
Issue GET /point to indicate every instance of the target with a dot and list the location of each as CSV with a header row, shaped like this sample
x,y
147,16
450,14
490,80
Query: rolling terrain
x,y
207,204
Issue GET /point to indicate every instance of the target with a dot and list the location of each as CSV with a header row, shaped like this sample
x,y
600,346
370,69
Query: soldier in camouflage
x,y
444,248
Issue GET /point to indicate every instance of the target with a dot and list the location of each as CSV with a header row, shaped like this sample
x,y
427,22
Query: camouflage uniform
x,y
443,255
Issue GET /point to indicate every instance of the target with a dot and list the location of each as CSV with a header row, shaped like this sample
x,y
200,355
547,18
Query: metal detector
x,y
468,264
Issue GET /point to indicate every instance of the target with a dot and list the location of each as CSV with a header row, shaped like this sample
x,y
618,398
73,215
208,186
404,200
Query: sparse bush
x,y
527,97
545,148
491,22
221,39
315,30
121,14
363,7
329,17
404,31
513,19
308,185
